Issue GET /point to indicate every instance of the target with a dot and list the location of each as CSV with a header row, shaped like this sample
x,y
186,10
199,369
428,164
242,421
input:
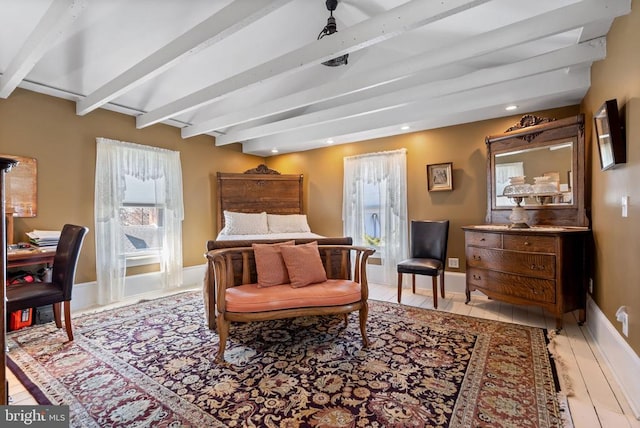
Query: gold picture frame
x,y
439,177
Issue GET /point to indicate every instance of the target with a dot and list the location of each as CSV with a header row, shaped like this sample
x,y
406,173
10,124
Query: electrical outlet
x,y
590,285
454,262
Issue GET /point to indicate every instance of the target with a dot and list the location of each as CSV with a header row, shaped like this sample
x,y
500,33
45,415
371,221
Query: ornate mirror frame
x,y
532,131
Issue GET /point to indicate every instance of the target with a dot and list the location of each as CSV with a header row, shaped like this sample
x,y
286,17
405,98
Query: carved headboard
x,y
257,190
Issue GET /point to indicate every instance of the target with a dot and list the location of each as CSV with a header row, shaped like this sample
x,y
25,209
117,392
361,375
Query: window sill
x,y
142,259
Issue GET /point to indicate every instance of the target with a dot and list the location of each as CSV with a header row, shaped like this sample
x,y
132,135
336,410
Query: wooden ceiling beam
x,y
55,21
426,114
229,20
408,16
546,24
575,55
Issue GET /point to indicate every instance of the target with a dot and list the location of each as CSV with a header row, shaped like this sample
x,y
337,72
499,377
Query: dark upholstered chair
x,y
58,291
428,253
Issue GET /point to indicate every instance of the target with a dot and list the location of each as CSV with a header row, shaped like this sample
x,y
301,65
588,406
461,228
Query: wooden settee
x,y
231,264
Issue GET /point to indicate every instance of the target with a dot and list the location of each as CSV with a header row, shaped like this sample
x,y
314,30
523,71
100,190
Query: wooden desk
x,y
30,257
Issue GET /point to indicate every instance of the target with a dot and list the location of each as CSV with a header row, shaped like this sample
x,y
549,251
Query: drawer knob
x,y
476,277
526,243
537,267
482,239
477,258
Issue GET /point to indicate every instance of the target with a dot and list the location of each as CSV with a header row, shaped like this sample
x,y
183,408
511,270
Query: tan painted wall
x,y
463,145
617,239
47,128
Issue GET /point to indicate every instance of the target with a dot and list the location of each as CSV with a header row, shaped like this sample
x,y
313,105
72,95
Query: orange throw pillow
x,y
270,265
304,264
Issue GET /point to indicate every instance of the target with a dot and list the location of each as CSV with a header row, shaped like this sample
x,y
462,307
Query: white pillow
x,y
287,223
245,223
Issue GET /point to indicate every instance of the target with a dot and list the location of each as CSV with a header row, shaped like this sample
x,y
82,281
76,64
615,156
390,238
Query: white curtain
x,y
114,161
386,172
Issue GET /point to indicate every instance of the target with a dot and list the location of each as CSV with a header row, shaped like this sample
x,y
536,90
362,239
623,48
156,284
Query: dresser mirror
x,y
554,161
548,156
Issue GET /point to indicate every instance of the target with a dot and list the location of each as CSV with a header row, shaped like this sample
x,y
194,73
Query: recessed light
x,y
511,107
329,141
405,127
274,150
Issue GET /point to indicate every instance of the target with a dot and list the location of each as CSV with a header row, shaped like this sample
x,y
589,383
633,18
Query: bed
x,y
261,200
261,204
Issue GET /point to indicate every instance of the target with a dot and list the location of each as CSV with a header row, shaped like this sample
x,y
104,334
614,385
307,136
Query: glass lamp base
x,y
519,218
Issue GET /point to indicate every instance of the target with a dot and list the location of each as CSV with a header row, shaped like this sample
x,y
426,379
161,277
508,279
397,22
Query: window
x,y
141,217
138,214
375,206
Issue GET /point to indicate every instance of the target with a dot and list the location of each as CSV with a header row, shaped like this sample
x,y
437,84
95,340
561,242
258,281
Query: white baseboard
x,y
85,295
455,281
621,360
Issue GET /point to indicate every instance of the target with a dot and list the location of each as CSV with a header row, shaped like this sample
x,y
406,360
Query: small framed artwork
x,y
439,177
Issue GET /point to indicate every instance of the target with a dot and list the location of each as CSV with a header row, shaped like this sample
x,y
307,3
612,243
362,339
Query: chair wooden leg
x,y
399,287
442,284
413,283
434,282
346,320
67,319
56,314
364,312
223,334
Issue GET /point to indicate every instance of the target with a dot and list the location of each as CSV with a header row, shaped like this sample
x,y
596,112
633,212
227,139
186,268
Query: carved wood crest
x,y
262,169
526,121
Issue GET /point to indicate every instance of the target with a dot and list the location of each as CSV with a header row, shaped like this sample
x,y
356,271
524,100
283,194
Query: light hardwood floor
x,y
596,400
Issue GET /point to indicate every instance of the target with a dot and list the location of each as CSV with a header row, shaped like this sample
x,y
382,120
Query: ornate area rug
x,y
151,364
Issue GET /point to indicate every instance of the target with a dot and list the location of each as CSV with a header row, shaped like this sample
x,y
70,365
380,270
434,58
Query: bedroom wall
x,y
463,145
617,271
47,128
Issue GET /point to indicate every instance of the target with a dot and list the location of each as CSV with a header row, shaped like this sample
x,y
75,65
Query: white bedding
x,y
255,226
290,235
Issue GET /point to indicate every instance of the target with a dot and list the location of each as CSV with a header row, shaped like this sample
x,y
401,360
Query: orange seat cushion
x,y
332,292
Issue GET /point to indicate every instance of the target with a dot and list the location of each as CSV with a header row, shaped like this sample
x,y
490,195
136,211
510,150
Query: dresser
x,y
542,266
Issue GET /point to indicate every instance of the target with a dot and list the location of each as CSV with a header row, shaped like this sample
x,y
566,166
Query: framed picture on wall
x,y
21,191
439,177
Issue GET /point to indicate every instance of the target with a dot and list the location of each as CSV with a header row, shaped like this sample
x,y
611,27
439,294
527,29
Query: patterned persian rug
x,y
151,364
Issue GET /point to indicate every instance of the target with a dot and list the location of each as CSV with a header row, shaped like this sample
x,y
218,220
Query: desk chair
x,y
428,253
58,291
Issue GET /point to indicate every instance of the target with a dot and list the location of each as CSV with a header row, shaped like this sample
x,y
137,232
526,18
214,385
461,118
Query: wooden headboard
x,y
257,190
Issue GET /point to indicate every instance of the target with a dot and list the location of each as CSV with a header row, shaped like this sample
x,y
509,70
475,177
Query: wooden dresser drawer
x,y
529,264
481,239
532,243
534,289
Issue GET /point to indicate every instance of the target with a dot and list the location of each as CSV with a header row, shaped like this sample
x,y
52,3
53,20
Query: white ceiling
x,y
250,70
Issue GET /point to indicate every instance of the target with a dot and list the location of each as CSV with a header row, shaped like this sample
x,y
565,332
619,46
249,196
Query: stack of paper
x,y
44,238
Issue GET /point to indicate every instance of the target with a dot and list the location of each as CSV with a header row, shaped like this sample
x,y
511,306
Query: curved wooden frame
x,y
221,276
533,131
